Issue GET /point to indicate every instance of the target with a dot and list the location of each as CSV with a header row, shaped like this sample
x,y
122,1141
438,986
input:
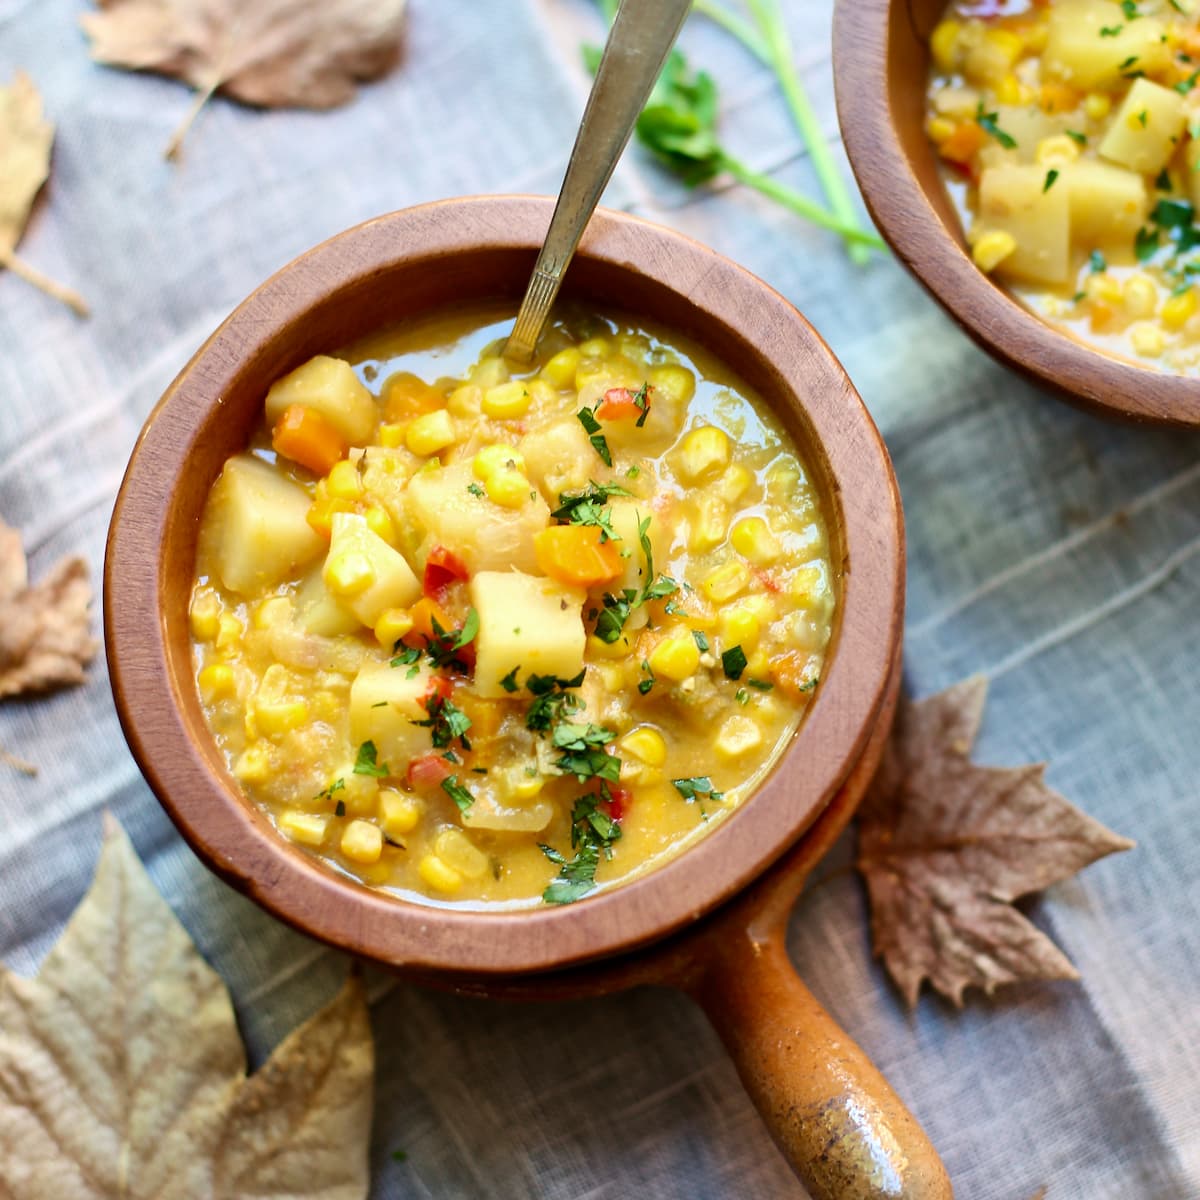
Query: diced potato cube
x,y
1077,53
1146,129
384,703
457,850
627,515
308,828
558,456
526,623
1107,204
1014,199
321,612
1028,126
486,536
256,521
390,582
329,386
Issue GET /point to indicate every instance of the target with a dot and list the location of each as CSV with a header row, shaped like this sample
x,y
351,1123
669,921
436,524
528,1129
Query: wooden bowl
x,y
460,252
880,74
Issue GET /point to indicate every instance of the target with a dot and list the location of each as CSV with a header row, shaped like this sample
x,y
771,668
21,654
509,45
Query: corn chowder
x,y
1070,130
502,635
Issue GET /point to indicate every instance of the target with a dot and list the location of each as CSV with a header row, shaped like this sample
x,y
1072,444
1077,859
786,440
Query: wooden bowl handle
x,y
847,1135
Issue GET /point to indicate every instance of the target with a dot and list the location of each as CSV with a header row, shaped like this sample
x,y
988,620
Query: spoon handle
x,y
638,45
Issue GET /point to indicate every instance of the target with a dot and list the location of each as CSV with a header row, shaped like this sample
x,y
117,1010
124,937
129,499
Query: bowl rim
x,y
155,692
864,76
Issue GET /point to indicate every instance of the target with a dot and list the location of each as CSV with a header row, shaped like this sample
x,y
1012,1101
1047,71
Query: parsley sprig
x,y
367,762
590,507
593,832
446,721
587,418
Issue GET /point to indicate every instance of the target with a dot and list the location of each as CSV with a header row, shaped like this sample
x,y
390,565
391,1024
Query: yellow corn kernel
x,y
1097,105
806,586
1103,287
523,787
1139,296
460,854
739,735
646,743
343,481
598,648
496,457
541,392
465,401
740,627
596,347
675,658
726,582
1010,90
943,43
782,481
272,612
752,538
508,488
348,574
308,828
939,129
362,842
430,432
229,631
399,812
1054,151
734,483
205,616
507,401
710,526
613,675
704,452
438,875
1007,43
672,383
1177,309
758,665
216,680
560,370
992,248
1147,338
380,524
391,434
253,764
393,624
274,716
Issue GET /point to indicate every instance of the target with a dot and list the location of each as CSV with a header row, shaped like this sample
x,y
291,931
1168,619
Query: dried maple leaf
x,y
122,1072
946,846
25,141
270,53
45,630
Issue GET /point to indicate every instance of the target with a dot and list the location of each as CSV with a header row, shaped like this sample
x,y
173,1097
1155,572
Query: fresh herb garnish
x,y
701,641
1145,244
457,793
987,122
407,657
554,697
446,721
367,762
762,685
733,662
1109,31
1163,182
336,786
1051,176
644,685
587,418
1130,9
583,754
1097,261
1185,85
1076,136
509,682
593,832
590,507
443,648
1173,214
698,785
809,685
339,809
476,490
641,399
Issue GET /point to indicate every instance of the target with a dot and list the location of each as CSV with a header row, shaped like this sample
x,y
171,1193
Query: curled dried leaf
x,y
946,846
45,630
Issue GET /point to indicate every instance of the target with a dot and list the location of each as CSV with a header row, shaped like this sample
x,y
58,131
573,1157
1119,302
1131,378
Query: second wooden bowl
x,y
880,74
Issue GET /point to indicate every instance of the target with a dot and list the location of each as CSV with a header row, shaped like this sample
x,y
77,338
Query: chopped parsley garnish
x,y
810,685
590,507
987,122
587,418
446,721
553,699
1173,214
336,786
1145,244
367,762
701,641
610,620
1143,117
698,785
1076,136
1130,9
1185,85
733,662
1110,30
509,682
593,832
742,697
339,809
762,685
407,657
644,685
583,754
641,399
1098,262
633,472
476,490
445,644
457,793
1163,182
1051,176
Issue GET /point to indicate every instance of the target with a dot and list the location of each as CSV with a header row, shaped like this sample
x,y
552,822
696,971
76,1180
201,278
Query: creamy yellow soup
x,y
499,635
1070,133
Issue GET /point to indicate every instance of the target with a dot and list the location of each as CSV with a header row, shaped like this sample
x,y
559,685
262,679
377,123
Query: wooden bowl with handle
x,y
845,1131
880,74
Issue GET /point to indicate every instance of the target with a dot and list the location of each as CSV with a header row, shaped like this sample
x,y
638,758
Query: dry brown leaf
x,y
45,630
270,53
25,141
122,1072
946,846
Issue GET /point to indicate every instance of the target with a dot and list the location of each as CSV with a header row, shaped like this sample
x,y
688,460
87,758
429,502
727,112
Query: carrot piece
x,y
964,143
442,568
405,396
794,674
621,404
575,555
307,438
1058,97
424,613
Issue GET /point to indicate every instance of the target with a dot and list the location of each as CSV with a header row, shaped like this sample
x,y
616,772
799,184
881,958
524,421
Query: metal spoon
x,y
640,40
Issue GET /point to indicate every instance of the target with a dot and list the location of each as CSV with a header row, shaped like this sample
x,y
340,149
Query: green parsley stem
x,y
734,24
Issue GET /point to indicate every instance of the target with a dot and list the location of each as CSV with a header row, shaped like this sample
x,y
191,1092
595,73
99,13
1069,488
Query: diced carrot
x,y
427,771
1102,315
424,613
964,143
405,396
1058,97
794,674
442,568
441,686
307,438
620,403
575,555
320,514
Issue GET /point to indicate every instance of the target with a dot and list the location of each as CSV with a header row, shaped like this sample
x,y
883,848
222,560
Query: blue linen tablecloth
x,y
1056,554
